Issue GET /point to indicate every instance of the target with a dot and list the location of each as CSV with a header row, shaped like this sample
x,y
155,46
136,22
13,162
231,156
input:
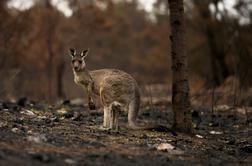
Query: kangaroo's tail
x,y
132,117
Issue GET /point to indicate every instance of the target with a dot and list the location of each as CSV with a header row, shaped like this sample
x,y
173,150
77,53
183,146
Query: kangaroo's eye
x,y
80,61
72,61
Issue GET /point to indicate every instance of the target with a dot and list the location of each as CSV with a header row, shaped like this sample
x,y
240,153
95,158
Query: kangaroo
x,y
118,91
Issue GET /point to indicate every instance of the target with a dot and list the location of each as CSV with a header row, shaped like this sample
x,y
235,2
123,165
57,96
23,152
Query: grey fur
x,y
117,90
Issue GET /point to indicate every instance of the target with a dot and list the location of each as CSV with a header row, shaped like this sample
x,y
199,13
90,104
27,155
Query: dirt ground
x,y
34,133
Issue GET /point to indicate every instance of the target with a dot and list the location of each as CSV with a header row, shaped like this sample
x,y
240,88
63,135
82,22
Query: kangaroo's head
x,y
78,59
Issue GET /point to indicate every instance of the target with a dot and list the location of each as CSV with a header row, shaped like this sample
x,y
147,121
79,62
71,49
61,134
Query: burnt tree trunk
x,y
60,76
217,55
180,85
219,67
49,67
50,29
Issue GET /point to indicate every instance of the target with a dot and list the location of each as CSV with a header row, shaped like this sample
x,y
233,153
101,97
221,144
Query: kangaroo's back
x,y
114,85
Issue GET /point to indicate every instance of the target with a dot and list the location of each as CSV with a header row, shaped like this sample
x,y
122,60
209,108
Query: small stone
x,y
15,130
61,111
199,136
54,119
70,161
216,132
37,138
29,132
165,147
42,117
27,112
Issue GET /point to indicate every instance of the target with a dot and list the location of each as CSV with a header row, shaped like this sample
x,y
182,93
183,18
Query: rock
x,y
165,147
29,132
54,119
27,112
61,111
37,138
199,136
15,130
42,117
216,132
69,161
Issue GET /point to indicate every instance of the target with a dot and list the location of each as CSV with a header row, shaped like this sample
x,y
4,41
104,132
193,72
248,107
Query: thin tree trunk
x,y
49,74
180,85
217,55
60,75
50,31
219,68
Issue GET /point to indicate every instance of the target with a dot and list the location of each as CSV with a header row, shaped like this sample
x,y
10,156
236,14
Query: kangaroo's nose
x,y
75,68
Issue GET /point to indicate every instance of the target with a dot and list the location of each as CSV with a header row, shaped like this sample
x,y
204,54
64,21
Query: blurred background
x,y
132,35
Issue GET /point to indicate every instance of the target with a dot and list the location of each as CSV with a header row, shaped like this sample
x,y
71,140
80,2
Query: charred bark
x,y
180,85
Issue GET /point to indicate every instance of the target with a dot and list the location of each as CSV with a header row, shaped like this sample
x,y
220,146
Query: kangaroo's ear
x,y
84,53
72,52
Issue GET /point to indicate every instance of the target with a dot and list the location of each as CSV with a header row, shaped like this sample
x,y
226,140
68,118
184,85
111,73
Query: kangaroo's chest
x,y
86,84
81,80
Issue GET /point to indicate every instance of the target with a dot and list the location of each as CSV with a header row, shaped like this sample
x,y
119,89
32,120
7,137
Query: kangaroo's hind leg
x,y
115,108
106,108
106,117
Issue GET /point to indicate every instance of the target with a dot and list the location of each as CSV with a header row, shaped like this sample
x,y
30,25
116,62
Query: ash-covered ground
x,y
34,133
